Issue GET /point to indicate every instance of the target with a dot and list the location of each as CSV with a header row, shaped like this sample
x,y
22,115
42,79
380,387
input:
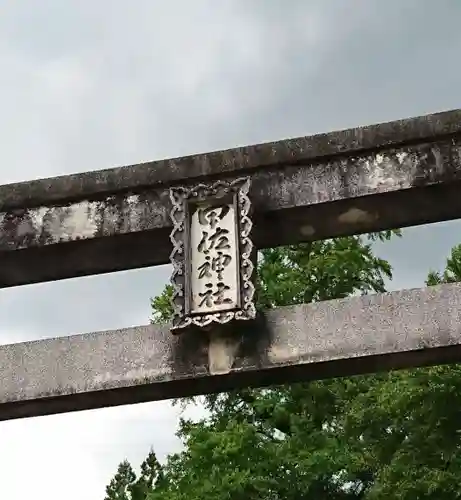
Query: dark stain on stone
x,y
438,163
17,229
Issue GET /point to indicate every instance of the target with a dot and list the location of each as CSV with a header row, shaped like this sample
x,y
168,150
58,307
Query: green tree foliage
x,y
452,272
120,486
385,436
126,485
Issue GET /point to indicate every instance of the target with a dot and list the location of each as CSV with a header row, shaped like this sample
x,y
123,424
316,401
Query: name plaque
x,y
213,255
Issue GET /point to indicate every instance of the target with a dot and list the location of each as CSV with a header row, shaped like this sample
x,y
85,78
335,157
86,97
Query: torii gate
x,y
384,176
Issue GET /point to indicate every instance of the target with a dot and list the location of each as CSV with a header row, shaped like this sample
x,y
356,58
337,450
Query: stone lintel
x,y
384,176
373,333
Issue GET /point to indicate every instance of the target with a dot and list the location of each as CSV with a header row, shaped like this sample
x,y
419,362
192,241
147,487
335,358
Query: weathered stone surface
x,y
412,166
229,162
273,190
341,337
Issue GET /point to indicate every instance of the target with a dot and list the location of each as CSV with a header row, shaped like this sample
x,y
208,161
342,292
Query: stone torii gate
x,y
384,176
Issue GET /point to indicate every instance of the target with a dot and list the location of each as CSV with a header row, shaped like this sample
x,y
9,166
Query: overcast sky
x,y
87,85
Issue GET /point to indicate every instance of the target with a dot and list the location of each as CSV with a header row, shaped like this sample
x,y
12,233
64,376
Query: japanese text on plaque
x,y
214,259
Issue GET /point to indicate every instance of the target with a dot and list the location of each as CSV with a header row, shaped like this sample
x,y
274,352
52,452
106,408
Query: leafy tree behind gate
x,y
394,435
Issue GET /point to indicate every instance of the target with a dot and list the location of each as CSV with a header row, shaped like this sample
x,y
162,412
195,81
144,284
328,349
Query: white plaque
x,y
214,259
212,254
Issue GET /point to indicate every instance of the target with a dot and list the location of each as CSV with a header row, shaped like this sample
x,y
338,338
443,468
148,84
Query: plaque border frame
x,y
182,198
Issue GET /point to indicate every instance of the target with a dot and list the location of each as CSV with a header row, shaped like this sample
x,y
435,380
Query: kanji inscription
x,y
214,259
212,254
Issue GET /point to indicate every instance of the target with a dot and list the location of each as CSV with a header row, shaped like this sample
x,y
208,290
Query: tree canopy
x,y
391,435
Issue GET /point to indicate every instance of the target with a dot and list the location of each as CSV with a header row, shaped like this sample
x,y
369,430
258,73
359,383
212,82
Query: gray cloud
x,y
87,85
